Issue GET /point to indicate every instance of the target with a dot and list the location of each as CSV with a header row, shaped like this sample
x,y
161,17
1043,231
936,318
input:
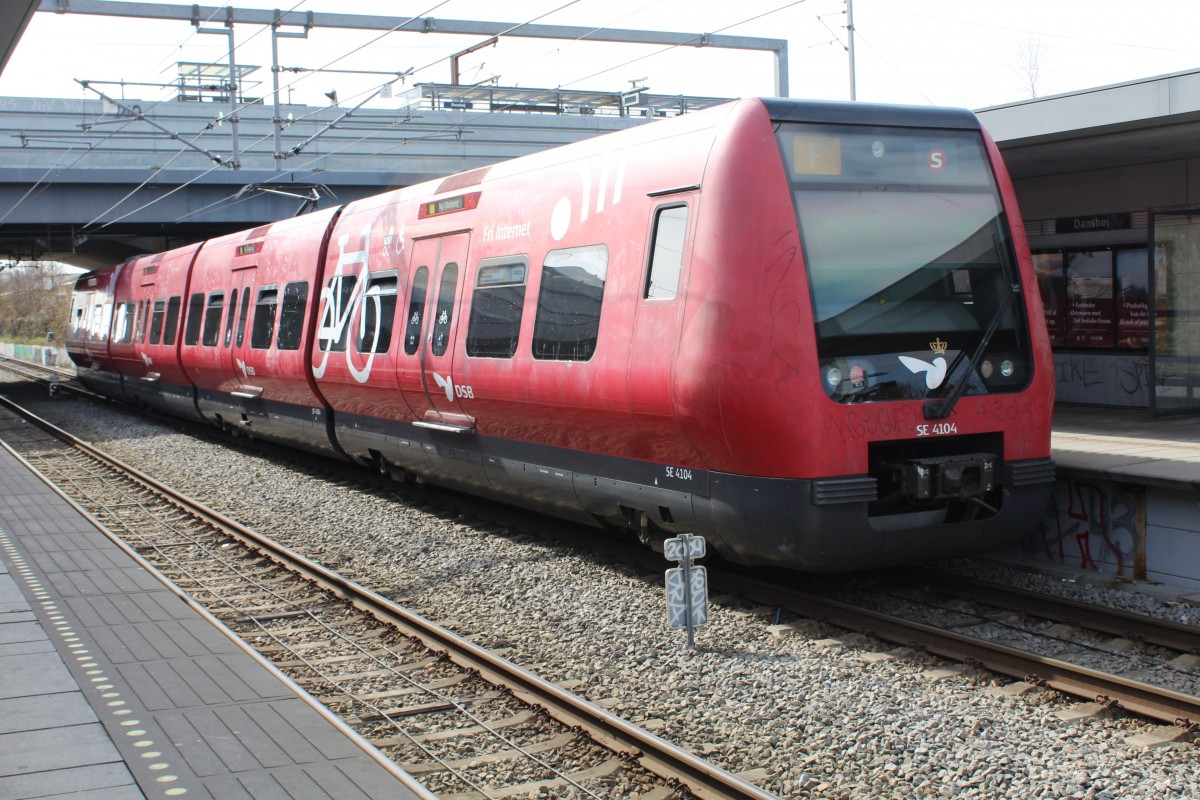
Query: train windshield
x,y
910,262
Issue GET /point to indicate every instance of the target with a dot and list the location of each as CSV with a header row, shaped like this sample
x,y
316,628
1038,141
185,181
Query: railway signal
x,y
687,585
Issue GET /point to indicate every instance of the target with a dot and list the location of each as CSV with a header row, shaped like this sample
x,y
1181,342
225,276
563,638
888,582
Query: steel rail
x,y
1138,627
1112,690
704,780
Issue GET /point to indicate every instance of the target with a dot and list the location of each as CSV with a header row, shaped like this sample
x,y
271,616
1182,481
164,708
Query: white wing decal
x,y
935,373
446,383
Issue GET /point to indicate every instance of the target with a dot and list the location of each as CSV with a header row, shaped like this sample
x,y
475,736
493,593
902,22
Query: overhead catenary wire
x,y
450,128
234,199
453,128
885,59
191,144
371,94
698,37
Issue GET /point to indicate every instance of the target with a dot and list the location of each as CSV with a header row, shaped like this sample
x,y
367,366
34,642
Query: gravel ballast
x,y
809,718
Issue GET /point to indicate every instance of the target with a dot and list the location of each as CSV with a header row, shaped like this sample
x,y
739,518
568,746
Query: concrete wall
x,y
1102,380
1092,526
37,354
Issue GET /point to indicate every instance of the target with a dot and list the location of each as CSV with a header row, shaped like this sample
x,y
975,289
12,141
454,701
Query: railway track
x,y
1114,691
1115,622
463,720
1111,690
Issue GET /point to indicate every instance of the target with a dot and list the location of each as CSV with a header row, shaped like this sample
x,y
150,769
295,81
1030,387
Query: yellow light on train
x,y
817,155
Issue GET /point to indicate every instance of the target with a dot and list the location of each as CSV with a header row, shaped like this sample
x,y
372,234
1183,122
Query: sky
x,y
968,53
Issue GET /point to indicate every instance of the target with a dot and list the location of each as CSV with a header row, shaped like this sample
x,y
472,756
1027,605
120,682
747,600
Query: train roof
x,y
832,111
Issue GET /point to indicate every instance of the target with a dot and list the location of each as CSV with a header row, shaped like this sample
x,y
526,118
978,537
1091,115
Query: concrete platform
x,y
115,687
1124,506
1128,445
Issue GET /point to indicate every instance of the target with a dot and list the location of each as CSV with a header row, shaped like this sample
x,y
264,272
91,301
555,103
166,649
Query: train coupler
x,y
950,477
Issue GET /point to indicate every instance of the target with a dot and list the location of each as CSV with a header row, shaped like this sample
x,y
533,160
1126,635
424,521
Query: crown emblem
x,y
938,346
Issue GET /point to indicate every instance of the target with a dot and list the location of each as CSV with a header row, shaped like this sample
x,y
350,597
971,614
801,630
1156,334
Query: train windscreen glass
x,y
910,262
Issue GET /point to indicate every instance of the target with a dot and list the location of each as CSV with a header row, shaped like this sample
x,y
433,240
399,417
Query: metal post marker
x,y
687,585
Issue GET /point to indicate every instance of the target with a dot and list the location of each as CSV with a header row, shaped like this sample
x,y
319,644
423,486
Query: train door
x,y
237,333
131,352
427,380
656,324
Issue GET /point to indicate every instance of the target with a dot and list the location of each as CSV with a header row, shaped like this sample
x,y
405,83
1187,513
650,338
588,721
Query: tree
x,y
1029,66
35,299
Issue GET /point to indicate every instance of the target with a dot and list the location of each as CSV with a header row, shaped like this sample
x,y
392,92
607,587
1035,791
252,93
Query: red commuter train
x,y
807,331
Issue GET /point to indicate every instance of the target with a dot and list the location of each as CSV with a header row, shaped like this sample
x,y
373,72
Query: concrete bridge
x,y
92,181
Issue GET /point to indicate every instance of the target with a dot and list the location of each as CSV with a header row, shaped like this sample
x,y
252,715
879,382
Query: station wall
x,y
1077,222
1104,528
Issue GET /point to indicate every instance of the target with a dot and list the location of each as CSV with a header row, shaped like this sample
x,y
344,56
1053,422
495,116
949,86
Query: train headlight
x,y
986,368
833,376
1007,368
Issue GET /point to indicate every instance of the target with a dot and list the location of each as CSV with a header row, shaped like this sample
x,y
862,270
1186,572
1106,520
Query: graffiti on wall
x,y
1089,526
1102,380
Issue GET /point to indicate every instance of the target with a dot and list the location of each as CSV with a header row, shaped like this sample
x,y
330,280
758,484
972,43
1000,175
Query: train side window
x,y
171,326
568,311
416,310
97,316
444,311
496,307
291,317
143,315
233,296
212,319
666,256
195,317
242,316
123,330
339,293
264,318
156,321
378,315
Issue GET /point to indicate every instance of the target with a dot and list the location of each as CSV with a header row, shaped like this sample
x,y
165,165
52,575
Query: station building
x,y
1109,185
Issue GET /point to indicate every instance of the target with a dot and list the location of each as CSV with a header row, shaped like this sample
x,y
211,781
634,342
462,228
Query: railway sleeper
x,y
508,754
379,655
384,715
535,788
520,718
354,676
373,696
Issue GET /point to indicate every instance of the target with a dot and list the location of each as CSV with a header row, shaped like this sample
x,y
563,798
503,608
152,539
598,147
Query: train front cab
x,y
873,384
88,330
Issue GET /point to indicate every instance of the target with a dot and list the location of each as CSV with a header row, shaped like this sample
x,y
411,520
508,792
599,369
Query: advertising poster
x,y
1090,307
1133,300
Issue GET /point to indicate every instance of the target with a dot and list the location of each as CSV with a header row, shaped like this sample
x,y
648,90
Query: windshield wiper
x,y
940,409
